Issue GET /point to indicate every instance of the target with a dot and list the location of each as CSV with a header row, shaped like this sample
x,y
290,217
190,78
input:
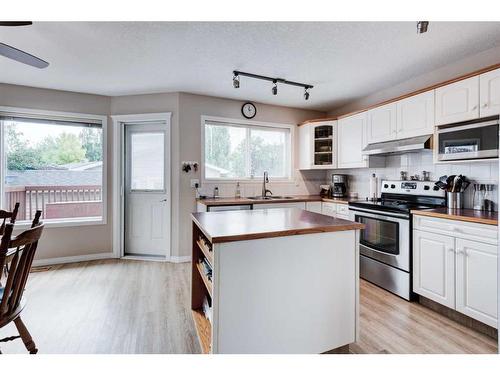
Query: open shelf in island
x,y
201,288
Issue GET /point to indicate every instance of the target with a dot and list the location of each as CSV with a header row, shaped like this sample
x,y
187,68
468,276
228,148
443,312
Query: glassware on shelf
x,y
488,204
478,198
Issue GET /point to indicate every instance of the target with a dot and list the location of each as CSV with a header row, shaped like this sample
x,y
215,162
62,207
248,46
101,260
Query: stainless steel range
x,y
385,243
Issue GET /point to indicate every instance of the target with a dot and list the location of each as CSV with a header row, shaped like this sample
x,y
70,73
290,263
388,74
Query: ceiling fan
x,y
18,55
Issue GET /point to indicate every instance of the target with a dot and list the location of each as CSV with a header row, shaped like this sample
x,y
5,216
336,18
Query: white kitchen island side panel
x,y
296,294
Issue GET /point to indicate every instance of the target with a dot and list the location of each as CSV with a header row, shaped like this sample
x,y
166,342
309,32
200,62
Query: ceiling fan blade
x,y
16,23
21,56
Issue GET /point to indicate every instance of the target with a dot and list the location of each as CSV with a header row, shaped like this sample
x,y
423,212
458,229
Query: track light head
x,y
274,90
422,27
236,81
306,93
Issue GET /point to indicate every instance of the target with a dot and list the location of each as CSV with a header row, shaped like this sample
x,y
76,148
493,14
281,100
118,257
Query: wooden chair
x,y
4,215
12,301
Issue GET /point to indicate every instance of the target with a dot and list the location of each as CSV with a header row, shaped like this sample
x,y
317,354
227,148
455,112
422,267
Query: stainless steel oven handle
x,y
380,213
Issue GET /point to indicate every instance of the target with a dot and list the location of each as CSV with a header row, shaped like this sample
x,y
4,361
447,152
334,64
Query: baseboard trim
x,y
182,259
72,259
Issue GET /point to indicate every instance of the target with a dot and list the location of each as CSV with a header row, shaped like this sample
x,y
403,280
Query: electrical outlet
x,y
195,183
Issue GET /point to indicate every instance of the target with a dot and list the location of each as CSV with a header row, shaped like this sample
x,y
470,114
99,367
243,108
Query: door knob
x,y
164,200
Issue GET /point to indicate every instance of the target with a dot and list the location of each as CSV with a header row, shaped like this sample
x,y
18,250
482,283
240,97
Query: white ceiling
x,y
343,60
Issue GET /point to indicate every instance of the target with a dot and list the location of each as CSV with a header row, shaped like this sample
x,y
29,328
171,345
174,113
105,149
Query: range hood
x,y
399,146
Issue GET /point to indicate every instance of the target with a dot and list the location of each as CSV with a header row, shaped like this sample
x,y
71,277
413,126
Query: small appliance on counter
x,y
338,186
324,191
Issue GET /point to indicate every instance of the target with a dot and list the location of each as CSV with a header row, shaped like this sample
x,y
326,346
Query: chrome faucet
x,y
264,189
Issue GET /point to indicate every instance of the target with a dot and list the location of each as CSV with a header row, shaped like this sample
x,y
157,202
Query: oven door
x,y
469,141
386,237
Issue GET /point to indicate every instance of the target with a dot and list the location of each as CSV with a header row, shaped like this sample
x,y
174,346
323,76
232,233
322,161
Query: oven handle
x,y
380,213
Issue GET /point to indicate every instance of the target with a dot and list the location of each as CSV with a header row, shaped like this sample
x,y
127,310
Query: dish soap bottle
x,y
237,194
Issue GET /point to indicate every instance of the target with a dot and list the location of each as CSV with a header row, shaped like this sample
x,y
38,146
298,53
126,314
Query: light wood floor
x,y
126,306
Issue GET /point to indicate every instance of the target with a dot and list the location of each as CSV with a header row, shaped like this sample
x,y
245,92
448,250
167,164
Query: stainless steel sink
x,y
270,198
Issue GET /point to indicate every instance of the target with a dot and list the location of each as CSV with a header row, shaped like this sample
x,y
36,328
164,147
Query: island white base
x,y
295,294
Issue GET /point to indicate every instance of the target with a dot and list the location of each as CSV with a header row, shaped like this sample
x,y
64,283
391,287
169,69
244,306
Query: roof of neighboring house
x,y
53,177
82,166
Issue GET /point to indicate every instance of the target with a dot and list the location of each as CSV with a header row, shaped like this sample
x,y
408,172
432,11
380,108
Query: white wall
x,y
191,108
61,242
450,71
415,163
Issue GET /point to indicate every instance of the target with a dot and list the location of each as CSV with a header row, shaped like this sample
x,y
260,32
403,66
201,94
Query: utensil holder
x,y
455,200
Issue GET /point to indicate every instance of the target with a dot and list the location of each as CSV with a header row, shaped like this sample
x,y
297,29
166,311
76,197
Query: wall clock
x,y
248,110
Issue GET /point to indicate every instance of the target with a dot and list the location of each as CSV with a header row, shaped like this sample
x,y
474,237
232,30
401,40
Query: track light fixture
x,y
422,27
236,81
274,90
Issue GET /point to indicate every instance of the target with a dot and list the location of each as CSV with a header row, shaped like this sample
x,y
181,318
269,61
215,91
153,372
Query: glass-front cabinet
x,y
318,145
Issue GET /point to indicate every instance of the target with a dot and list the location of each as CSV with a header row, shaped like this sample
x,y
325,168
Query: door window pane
x,y
147,155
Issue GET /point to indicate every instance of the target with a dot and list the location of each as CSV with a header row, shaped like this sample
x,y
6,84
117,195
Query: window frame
x,y
247,123
69,222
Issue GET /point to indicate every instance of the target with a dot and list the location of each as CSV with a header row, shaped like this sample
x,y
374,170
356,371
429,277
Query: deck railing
x,y
32,198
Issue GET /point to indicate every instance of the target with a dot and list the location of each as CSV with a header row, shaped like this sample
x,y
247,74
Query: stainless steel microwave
x,y
472,140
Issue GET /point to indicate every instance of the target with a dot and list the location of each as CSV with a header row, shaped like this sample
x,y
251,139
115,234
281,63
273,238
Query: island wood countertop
x,y
473,216
228,226
230,201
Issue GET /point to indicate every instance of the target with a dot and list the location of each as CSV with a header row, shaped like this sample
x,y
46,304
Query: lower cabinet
x,y
476,280
313,207
457,272
329,209
262,206
434,267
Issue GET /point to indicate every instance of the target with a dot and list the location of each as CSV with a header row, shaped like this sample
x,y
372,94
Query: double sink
x,y
272,197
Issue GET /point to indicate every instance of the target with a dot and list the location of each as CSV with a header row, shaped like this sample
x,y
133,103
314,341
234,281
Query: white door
x,y
434,267
351,133
415,115
381,124
489,93
458,101
476,284
146,179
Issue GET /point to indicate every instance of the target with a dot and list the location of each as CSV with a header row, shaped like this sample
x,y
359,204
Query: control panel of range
x,y
412,187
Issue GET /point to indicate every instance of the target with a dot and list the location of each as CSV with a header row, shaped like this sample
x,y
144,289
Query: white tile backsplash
x,y
415,163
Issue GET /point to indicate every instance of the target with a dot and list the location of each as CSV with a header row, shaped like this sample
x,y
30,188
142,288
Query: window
x,y
54,165
243,151
146,167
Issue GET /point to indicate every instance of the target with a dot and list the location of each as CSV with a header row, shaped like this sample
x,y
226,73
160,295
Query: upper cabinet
x,y
415,115
458,101
381,124
489,93
317,145
351,141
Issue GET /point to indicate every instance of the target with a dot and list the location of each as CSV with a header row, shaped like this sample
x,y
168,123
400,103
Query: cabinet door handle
x,y
451,249
485,105
474,108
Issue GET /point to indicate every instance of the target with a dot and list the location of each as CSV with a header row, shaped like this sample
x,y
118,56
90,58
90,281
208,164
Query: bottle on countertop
x,y
237,194
216,192
373,187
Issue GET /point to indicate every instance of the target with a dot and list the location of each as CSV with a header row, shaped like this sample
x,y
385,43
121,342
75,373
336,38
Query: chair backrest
x,y
24,246
4,215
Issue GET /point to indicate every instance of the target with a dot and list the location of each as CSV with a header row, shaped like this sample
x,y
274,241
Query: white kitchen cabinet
x,y
415,115
342,211
263,206
318,145
381,124
489,93
351,141
458,101
313,207
329,209
476,280
434,267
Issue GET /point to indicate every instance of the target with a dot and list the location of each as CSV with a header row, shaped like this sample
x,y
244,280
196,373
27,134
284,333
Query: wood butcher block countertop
x,y
228,226
244,201
474,216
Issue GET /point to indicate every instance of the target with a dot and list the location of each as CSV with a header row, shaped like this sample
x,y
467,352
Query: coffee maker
x,y
338,186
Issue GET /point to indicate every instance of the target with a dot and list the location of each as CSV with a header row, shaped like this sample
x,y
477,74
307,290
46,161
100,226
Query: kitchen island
x,y
277,280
